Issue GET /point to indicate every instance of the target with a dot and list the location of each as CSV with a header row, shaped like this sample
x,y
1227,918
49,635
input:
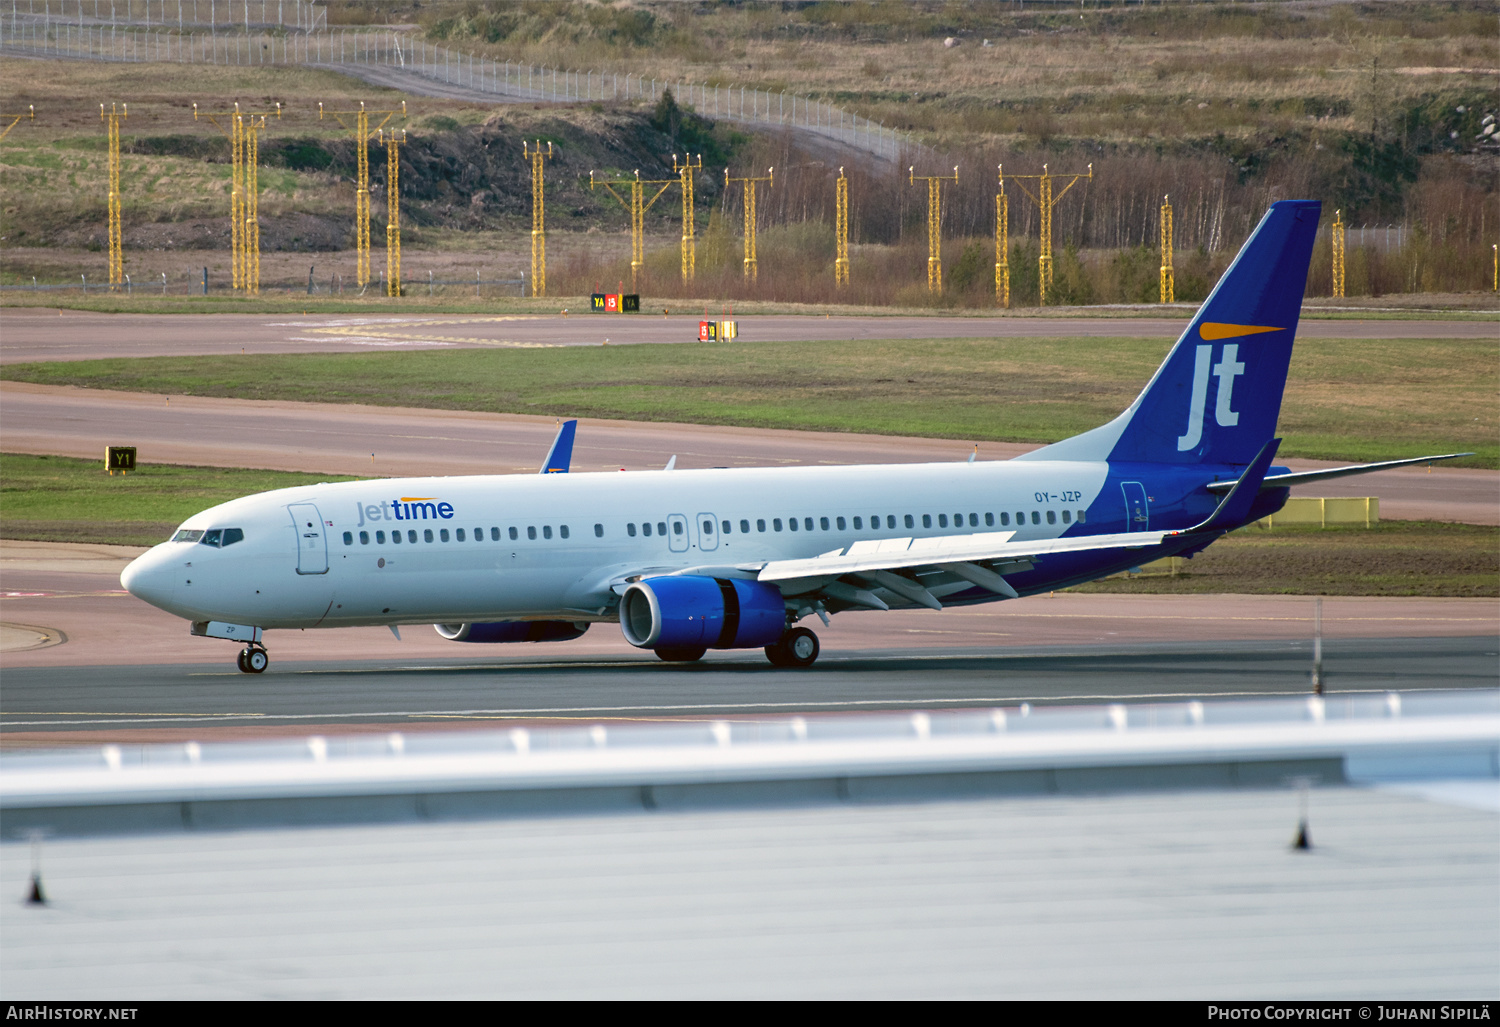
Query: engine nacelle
x,y
688,611
513,631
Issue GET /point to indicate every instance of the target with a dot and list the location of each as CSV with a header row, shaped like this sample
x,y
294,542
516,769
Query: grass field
x,y
57,499
1394,558
1346,399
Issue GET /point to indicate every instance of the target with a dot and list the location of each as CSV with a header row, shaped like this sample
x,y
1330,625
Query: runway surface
x,y
106,666
342,438
342,695
30,335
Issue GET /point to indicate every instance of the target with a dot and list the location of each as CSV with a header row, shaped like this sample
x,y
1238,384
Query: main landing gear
x,y
253,659
797,648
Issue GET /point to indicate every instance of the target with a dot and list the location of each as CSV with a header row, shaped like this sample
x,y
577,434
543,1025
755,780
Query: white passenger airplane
x,y
687,561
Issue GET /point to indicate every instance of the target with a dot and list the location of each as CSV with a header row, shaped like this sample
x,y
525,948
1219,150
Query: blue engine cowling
x,y
688,611
513,631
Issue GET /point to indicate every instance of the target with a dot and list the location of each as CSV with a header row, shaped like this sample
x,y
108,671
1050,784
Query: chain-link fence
x,y
400,56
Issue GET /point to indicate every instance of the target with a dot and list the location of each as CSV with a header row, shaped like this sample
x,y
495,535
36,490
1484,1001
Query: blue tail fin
x,y
1216,397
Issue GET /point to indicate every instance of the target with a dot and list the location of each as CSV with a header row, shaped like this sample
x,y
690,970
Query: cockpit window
x,y
187,535
216,537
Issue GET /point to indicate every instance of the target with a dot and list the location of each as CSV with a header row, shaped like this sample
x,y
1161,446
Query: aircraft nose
x,y
151,577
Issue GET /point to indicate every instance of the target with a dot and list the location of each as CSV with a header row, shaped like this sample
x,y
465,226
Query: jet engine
x,y
513,631
688,612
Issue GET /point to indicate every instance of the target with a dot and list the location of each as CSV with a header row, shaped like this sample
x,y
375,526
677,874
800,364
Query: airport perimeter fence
x,y
331,285
295,15
398,56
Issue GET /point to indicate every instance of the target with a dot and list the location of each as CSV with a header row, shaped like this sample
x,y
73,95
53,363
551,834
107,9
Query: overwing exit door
x,y
312,540
708,531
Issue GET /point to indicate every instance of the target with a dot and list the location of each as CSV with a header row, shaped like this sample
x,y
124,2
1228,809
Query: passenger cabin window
x,y
348,538
364,538
745,527
791,522
411,536
661,528
1067,516
531,533
427,534
380,538
395,538
776,523
1036,518
546,531
598,531
942,520
823,523
1051,516
859,523
630,530
1004,520
927,520
458,535
514,534
910,521
495,534
760,524
676,528
840,523
646,528
443,534
1080,516
989,520
708,528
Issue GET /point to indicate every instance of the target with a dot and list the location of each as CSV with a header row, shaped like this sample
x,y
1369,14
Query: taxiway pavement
x,y
394,441
31,335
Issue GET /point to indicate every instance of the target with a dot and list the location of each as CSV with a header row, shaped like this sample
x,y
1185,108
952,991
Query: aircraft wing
x,y
1305,477
978,559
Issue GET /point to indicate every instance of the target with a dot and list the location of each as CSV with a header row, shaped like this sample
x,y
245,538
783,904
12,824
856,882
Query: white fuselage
x,y
557,546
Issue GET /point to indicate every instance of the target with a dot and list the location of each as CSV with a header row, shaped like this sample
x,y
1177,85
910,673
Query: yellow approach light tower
x,y
116,252
251,234
392,210
363,134
1168,279
1002,242
15,119
538,216
934,224
1045,200
637,205
1338,253
240,128
841,230
689,243
752,266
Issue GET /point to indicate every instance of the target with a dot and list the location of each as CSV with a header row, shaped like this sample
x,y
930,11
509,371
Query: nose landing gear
x,y
253,659
797,648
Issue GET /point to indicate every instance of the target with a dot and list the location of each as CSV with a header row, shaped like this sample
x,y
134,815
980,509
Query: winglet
x,y
560,456
1232,511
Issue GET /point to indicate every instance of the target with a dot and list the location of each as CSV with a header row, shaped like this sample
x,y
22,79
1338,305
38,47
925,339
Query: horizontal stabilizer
x,y
1305,477
1235,507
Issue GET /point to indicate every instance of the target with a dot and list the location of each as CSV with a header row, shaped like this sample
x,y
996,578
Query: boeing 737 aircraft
x,y
688,561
